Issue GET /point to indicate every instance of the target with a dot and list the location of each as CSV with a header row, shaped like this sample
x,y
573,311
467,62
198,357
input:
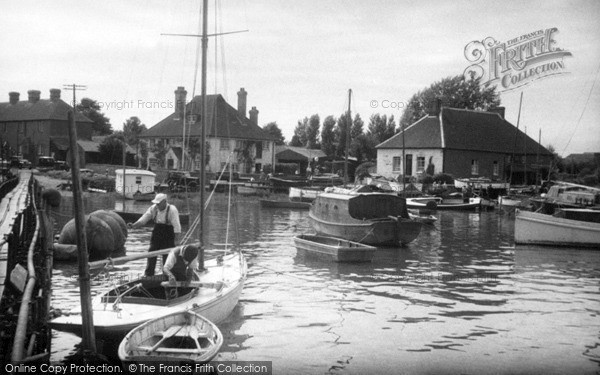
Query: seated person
x,y
181,263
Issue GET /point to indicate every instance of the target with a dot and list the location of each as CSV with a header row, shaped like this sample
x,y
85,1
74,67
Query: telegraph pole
x,y
74,88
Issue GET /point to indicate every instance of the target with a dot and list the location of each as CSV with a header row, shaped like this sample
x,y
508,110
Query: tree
x,y
340,134
132,128
381,128
312,132
111,149
90,109
273,129
454,92
299,139
328,136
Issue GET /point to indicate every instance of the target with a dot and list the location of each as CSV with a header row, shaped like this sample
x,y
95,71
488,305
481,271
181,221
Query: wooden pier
x,y
25,272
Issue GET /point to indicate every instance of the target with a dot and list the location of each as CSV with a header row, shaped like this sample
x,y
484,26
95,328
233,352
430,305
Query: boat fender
x,y
52,197
431,205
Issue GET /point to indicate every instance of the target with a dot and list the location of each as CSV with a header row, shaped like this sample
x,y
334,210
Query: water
x,y
459,299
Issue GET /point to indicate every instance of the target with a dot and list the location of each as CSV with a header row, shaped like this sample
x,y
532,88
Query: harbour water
x,y
459,299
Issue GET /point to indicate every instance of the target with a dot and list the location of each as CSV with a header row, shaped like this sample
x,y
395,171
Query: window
x,y
420,164
224,144
397,164
474,167
266,146
40,150
40,126
239,144
495,169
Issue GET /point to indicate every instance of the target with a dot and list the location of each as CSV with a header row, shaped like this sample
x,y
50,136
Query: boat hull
x,y
212,303
270,203
384,232
304,194
182,337
339,250
540,229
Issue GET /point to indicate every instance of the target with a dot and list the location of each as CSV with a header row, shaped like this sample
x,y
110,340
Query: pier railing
x,y
25,273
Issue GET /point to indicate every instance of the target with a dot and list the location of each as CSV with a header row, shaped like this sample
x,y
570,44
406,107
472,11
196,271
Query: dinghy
x,y
184,336
339,249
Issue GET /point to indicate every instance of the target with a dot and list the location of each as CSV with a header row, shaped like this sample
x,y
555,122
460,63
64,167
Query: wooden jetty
x,y
25,272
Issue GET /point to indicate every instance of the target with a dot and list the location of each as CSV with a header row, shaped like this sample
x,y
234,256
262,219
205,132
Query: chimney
x,y
435,108
254,115
242,94
14,97
34,96
180,98
498,110
54,95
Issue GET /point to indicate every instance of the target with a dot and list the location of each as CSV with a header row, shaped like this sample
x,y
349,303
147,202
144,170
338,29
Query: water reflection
x,y
460,298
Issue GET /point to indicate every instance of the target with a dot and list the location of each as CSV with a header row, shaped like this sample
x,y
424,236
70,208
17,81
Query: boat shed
x,y
298,155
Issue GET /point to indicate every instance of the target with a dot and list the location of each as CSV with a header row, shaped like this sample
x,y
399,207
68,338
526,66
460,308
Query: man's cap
x,y
159,198
189,252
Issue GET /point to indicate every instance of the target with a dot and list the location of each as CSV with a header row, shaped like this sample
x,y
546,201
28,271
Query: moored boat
x,y
128,305
275,203
183,336
569,227
338,249
304,194
437,203
131,217
369,218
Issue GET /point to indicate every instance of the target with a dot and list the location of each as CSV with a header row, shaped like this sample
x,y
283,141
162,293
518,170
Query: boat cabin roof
x,y
370,205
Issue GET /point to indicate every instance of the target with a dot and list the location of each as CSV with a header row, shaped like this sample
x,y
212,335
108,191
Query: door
x,y
408,168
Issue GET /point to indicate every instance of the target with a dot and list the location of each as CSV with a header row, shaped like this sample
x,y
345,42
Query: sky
x,y
299,58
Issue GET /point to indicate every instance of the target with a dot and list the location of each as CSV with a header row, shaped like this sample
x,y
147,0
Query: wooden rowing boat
x,y
184,336
273,203
338,249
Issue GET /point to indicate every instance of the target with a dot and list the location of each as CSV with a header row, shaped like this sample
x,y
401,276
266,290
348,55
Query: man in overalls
x,y
166,228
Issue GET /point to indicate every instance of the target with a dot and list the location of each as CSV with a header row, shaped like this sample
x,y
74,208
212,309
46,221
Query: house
x,y
39,127
231,136
465,144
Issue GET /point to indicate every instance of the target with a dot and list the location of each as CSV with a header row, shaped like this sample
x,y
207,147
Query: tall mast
x,y
348,127
203,129
512,159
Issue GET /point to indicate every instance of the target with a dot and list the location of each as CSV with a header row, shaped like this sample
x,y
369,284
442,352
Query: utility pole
x,y
73,87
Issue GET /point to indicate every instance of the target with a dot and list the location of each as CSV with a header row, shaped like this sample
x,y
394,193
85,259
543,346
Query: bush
x,y
362,170
589,180
426,179
444,177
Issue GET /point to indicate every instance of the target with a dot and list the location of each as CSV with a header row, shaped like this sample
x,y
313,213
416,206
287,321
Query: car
x,y
46,163
179,181
61,165
19,162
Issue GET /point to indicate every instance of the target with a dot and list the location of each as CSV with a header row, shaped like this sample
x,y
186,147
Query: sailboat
x,y
213,295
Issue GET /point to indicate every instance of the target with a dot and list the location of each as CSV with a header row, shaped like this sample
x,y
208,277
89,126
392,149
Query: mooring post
x,y
87,321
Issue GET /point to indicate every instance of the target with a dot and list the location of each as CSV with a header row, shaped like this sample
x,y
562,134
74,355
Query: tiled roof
x,y
43,109
297,153
463,129
224,122
424,133
89,146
